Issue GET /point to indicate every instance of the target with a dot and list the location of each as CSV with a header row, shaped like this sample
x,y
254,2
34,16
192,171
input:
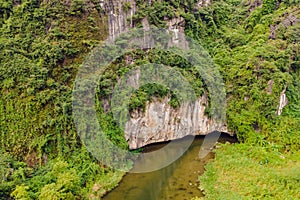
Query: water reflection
x,y
177,181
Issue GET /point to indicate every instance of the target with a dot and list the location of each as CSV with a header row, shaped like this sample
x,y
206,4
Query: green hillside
x,y
254,44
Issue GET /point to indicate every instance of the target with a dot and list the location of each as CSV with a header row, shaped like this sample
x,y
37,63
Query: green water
x,y
177,181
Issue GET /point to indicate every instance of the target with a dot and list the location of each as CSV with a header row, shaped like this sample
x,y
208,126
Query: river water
x,y
177,181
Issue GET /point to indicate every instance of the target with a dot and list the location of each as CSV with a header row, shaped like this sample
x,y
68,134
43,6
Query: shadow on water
x,y
177,181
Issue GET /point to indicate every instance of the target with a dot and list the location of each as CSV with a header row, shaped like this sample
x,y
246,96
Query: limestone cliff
x,y
160,122
120,15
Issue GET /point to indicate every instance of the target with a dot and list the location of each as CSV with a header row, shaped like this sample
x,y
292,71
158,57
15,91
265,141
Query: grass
x,y
240,171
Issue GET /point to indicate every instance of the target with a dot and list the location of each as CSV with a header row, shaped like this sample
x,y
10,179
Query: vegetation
x,y
257,67
264,165
43,43
80,177
119,68
241,171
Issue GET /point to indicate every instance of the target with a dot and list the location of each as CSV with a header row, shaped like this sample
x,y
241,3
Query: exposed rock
x,y
45,158
17,2
96,187
290,20
105,105
272,32
118,14
270,87
129,60
246,98
203,3
145,24
278,4
254,5
161,122
282,102
177,25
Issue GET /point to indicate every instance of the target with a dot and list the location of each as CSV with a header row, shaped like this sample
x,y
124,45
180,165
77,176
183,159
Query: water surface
x,y
177,181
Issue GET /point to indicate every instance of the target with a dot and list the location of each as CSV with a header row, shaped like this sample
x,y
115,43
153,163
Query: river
x,y
177,181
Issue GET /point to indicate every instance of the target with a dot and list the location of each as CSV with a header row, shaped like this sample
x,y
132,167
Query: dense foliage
x,y
42,45
117,69
238,37
252,62
44,42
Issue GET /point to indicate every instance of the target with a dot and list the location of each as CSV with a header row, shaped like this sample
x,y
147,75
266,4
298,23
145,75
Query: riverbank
x,y
241,171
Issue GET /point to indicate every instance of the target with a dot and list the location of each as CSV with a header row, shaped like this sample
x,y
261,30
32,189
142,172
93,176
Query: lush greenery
x,y
265,165
146,92
77,177
44,42
42,45
241,171
257,67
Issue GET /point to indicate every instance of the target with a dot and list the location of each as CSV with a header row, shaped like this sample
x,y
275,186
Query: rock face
x,y
203,3
254,5
270,87
120,15
289,20
160,122
282,102
177,25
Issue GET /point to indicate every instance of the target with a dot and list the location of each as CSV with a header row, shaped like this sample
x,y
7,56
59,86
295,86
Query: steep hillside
x,y
255,44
